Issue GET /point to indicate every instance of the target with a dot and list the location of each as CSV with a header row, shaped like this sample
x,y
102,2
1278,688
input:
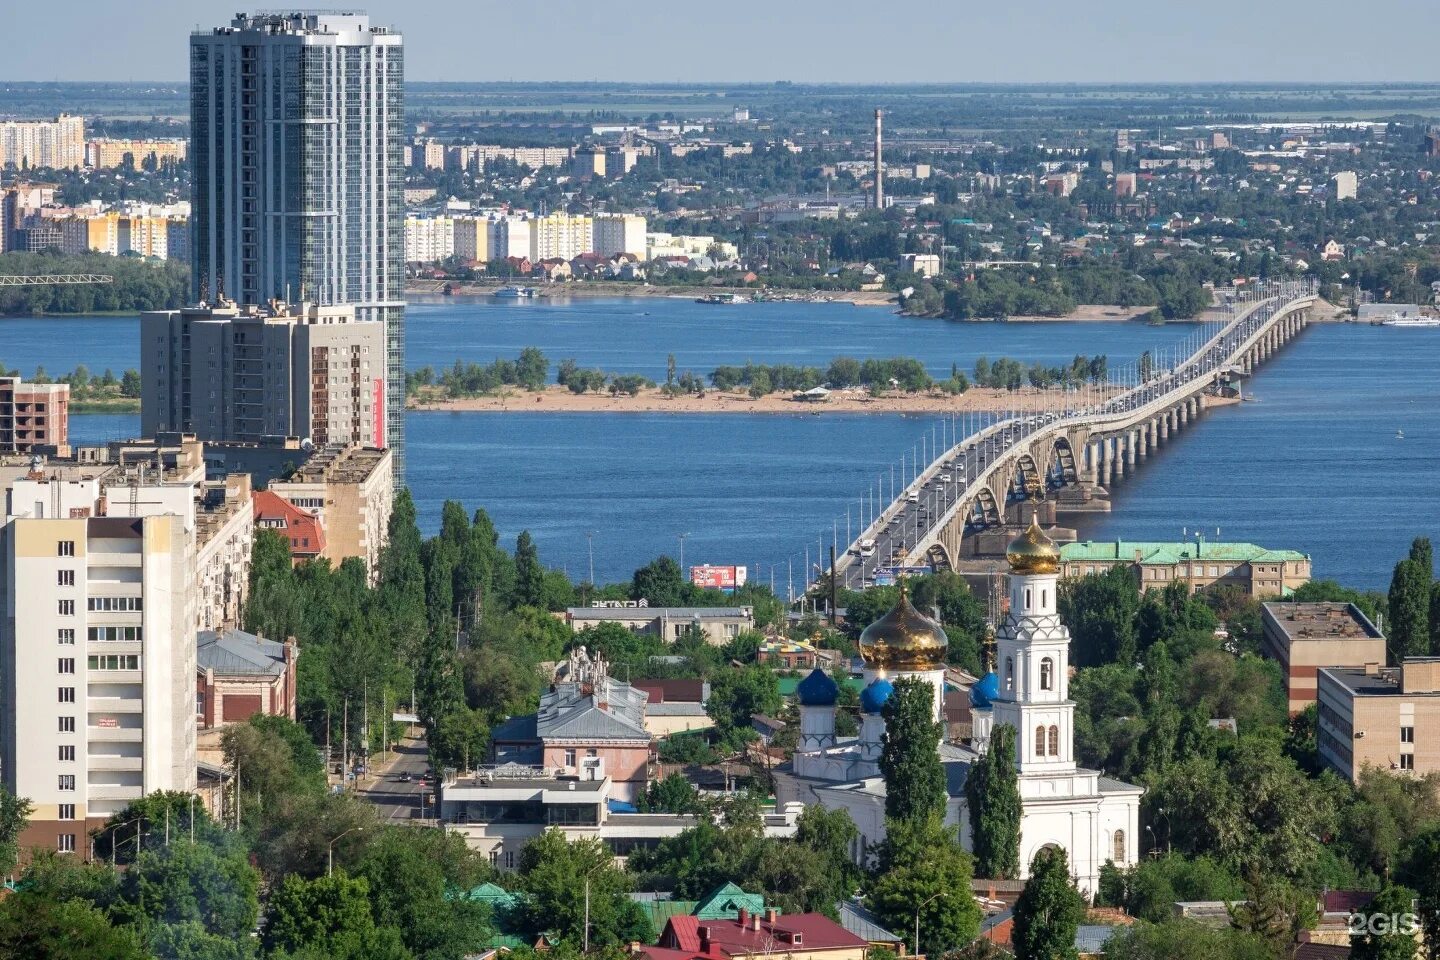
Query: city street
x,y
396,800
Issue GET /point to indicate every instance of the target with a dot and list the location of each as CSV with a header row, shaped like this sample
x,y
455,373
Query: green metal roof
x,y
724,903
1170,553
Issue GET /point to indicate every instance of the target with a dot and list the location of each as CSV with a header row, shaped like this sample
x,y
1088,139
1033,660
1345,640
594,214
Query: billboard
x,y
718,578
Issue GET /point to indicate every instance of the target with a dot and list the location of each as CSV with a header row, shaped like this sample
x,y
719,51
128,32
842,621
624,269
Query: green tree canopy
x,y
992,797
1049,910
910,754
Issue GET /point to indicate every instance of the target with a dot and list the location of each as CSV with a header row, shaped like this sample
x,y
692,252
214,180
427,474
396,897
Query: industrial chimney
x,y
879,165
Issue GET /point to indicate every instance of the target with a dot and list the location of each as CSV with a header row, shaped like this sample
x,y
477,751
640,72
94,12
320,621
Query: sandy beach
x,y
557,399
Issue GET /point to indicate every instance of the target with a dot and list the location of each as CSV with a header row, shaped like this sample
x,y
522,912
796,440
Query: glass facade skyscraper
x,y
297,129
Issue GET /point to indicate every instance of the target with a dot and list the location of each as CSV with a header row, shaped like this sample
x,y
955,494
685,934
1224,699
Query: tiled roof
x,y
787,933
236,652
1167,553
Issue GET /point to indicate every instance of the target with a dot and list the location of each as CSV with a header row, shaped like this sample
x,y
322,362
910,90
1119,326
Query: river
x,y
1312,464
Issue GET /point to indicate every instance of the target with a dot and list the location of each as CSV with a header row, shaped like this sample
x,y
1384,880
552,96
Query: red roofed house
x,y
800,936
303,530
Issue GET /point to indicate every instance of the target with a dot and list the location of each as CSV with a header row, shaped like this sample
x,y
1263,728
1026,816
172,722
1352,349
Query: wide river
x,y
1313,464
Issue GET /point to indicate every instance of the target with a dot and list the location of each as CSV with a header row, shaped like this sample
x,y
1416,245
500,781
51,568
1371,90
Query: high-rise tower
x,y
879,162
297,128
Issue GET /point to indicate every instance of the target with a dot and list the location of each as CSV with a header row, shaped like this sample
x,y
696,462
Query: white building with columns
x,y
1092,817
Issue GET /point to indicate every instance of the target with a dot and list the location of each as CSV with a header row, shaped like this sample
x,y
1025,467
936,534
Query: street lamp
x,y
125,823
915,946
330,850
586,937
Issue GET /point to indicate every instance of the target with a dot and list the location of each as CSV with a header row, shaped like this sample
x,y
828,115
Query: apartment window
x,y
65,635
67,608
67,811
67,724
66,664
67,753
66,548
115,661
115,634
109,604
65,843
67,694
1407,761
569,758
65,578
509,860
1407,734
67,781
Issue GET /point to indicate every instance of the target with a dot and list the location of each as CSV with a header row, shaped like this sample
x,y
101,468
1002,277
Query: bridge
x,y
1069,451
64,279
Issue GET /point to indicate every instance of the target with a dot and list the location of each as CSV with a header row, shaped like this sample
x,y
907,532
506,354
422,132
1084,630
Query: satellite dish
x,y
307,444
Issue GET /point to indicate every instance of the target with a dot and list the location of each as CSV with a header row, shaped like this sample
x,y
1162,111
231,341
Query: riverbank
x,y
617,288
557,399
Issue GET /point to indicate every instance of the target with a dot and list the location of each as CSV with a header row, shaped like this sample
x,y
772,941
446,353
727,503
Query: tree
x,y
1424,554
924,868
194,892
1187,938
14,814
1049,910
1435,619
36,926
1273,910
411,874
328,917
1421,871
910,754
1409,602
992,796
1394,941
130,384
660,583
529,574
673,794
736,695
555,874
1100,611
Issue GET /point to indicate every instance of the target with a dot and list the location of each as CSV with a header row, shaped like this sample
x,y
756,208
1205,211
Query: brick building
x,y
1307,636
239,675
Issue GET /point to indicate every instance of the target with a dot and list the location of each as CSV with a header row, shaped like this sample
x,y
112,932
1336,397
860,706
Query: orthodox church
x,y
1092,817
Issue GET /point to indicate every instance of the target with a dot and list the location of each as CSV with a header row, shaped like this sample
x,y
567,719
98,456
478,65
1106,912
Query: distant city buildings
x,y
1258,571
107,154
257,107
33,415
29,144
232,373
720,625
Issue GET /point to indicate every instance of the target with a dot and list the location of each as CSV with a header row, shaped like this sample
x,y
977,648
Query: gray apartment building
x,y
297,127
230,373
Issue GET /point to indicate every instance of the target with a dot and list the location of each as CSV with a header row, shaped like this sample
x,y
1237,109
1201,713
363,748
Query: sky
x,y
958,41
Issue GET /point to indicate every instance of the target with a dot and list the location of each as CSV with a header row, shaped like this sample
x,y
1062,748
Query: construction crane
x,y
54,278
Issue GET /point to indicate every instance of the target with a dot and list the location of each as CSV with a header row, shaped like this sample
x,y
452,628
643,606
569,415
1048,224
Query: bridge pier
x,y
1165,425
1131,440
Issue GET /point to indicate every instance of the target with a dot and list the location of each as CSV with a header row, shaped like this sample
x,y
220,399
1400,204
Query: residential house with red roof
x,y
799,936
301,529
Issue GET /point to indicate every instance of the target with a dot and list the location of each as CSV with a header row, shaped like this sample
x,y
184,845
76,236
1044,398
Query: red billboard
x,y
718,578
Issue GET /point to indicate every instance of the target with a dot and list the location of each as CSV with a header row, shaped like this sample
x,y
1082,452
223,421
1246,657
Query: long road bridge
x,y
1085,441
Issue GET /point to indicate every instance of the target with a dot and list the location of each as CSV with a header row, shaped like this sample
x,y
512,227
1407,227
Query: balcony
x,y
114,734
115,704
111,762
115,791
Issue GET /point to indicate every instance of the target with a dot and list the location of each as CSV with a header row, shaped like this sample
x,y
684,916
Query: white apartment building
x,y
618,233
508,237
560,235
97,653
659,245
58,143
429,239
242,373
1346,184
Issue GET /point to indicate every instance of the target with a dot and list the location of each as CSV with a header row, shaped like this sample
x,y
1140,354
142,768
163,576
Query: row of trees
x,y
1008,374
1414,604
530,371
139,284
906,372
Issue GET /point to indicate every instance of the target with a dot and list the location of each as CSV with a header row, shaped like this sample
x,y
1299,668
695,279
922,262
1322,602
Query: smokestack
x,y
879,162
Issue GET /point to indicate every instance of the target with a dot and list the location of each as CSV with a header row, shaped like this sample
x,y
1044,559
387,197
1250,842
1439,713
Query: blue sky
x,y
801,40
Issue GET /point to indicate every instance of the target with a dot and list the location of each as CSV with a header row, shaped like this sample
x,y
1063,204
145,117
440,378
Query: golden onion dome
x,y
1033,552
904,640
